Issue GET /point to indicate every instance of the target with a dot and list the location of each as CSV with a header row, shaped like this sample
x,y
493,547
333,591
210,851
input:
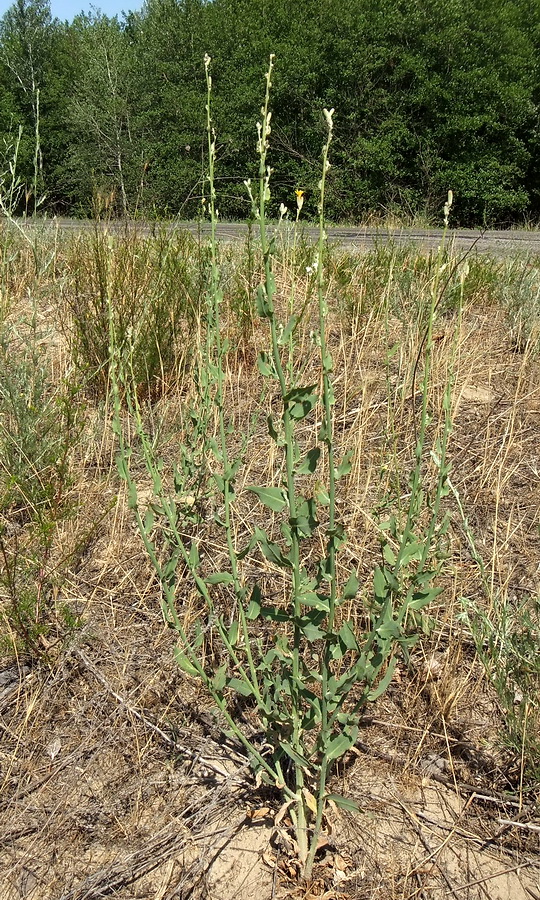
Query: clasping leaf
x,y
273,498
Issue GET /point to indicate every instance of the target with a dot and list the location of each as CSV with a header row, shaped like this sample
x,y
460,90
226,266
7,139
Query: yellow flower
x,y
299,193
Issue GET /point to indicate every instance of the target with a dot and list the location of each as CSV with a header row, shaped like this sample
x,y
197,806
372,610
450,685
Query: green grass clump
x,y
40,426
507,638
153,286
519,294
400,279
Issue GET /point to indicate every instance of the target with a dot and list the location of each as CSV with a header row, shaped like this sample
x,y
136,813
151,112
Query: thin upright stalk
x,y
214,340
327,433
264,129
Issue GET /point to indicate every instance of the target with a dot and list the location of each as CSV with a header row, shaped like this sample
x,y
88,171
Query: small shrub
x,y
294,656
519,293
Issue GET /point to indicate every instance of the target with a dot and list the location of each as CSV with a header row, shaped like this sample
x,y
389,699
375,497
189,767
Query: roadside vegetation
x,y
81,621
269,545
430,94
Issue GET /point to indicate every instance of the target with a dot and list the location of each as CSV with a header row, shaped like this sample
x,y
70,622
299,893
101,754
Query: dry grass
x,y
116,778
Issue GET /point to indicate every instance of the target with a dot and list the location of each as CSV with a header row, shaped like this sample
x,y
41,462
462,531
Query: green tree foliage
x,y
36,78
169,41
25,34
429,95
102,155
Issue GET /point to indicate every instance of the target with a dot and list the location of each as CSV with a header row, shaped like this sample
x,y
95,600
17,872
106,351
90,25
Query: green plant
x,y
38,424
309,684
506,639
519,291
39,427
239,277
153,287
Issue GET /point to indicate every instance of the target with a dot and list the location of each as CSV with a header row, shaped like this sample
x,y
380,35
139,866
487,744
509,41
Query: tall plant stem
x,y
421,438
327,433
264,128
214,340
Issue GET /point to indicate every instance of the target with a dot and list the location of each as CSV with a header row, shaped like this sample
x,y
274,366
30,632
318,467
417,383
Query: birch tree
x,y
101,108
25,35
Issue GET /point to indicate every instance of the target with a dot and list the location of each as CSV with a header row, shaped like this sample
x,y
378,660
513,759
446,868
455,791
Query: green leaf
x,y
232,470
132,496
286,531
389,555
253,611
201,586
336,537
294,755
422,598
287,331
351,588
310,462
345,466
184,662
411,551
309,625
156,474
325,433
220,578
275,614
149,520
264,304
253,541
384,682
388,628
273,498
389,525
122,466
321,495
216,451
272,429
219,679
300,401
272,551
265,365
380,586
347,637
303,526
254,607
305,521
316,601
241,687
327,363
343,802
338,746
324,569
199,636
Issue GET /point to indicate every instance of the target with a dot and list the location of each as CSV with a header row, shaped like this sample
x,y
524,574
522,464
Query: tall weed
x,y
299,664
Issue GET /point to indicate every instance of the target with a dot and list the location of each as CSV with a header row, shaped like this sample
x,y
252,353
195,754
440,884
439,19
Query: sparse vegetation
x,y
249,376
153,289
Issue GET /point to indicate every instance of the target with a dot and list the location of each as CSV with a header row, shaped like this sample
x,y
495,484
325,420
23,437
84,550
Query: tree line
x,y
107,114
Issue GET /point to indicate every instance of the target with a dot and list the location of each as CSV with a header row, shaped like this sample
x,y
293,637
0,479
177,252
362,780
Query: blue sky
x,y
66,9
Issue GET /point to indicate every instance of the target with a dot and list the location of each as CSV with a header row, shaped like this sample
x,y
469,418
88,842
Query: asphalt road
x,y
496,243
